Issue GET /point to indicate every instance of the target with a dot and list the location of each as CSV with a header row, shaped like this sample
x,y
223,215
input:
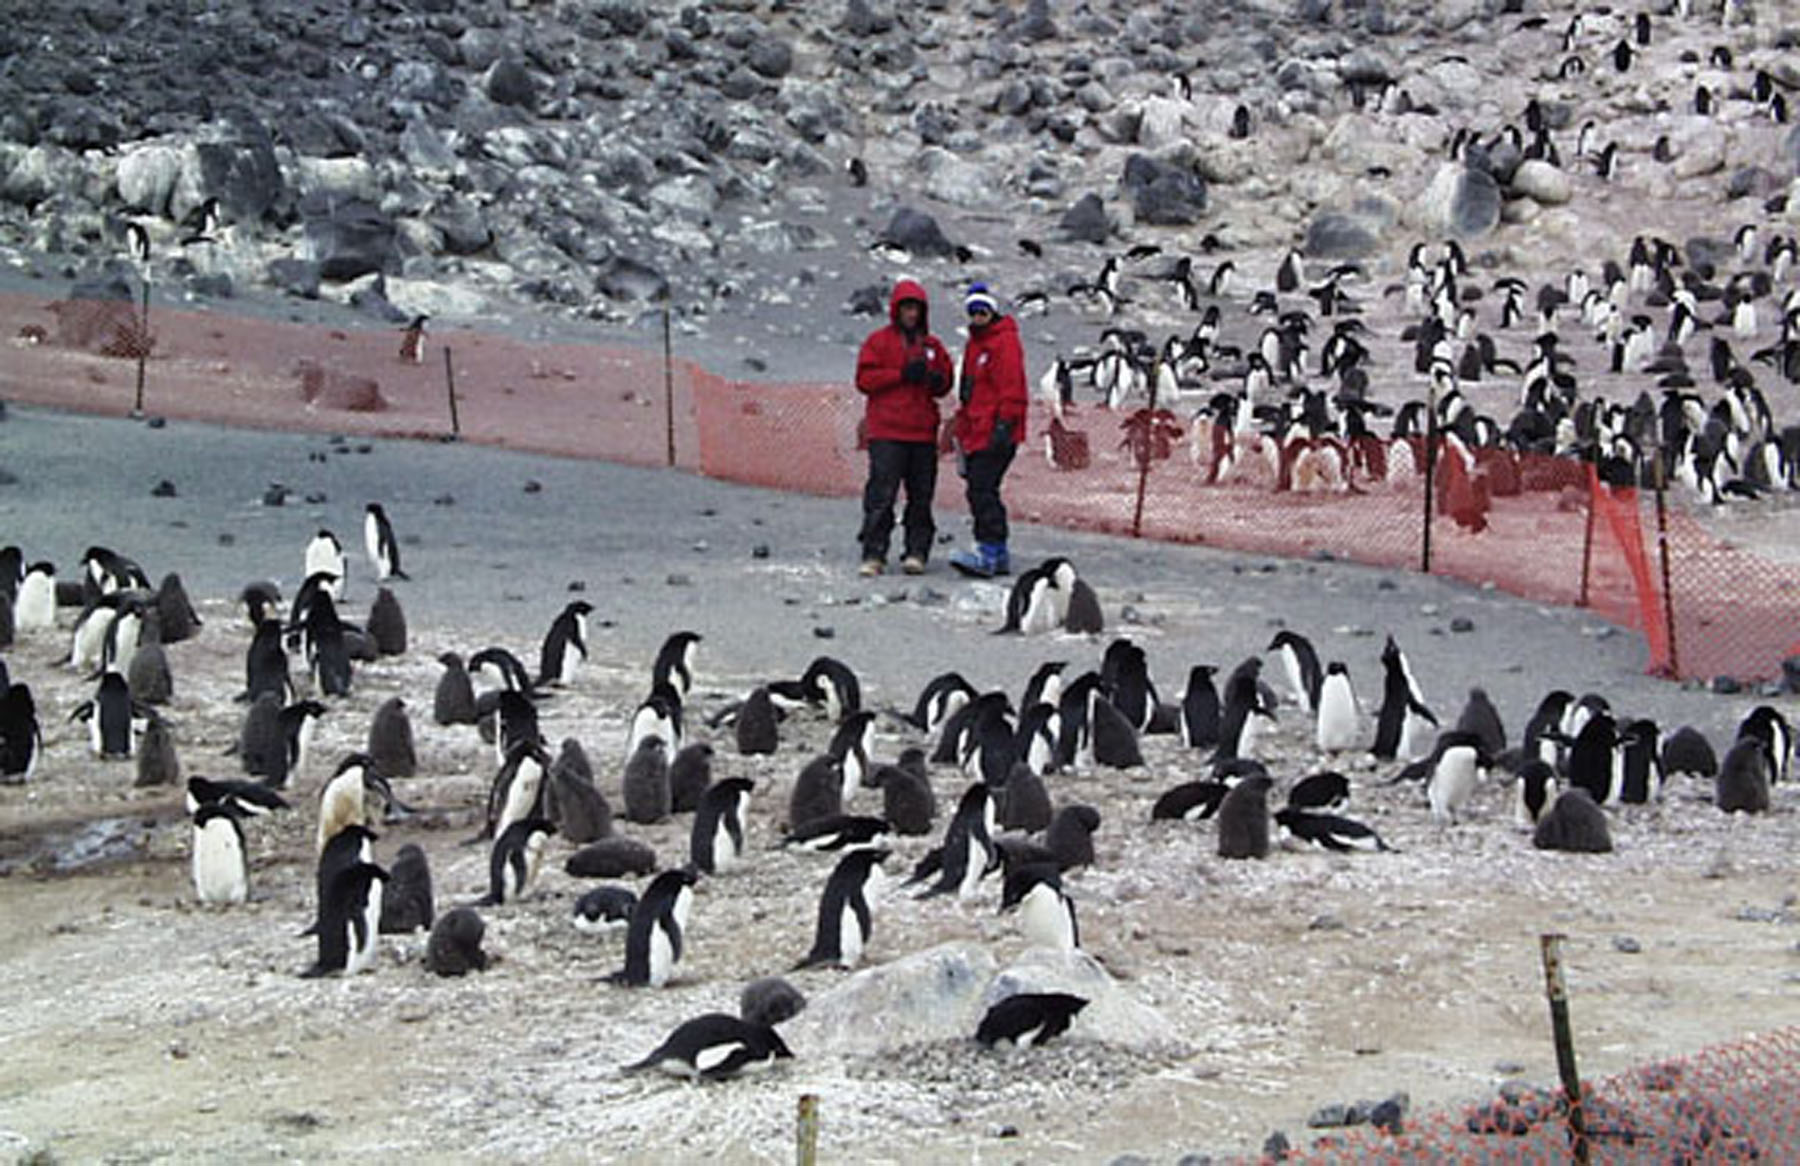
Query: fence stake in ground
x,y
1555,989
1430,473
450,391
1144,453
143,350
668,379
1662,552
1587,537
806,1147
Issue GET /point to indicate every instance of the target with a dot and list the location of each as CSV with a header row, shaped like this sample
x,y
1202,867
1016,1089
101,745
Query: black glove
x,y
937,382
1003,434
913,372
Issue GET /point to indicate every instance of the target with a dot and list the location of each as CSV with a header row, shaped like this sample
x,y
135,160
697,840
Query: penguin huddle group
x,y
1275,380
120,629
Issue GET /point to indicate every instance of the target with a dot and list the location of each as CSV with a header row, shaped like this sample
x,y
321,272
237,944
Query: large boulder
x,y
1336,235
917,232
349,239
1460,202
235,163
509,82
1541,182
146,178
1086,221
1162,194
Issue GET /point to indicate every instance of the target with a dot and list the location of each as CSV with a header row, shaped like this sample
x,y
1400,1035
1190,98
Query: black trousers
x,y
891,465
983,472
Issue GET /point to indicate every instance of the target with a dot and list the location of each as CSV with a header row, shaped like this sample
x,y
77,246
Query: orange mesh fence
x,y
1733,1103
1521,524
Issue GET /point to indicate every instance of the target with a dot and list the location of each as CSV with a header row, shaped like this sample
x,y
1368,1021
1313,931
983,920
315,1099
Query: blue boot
x,y
984,562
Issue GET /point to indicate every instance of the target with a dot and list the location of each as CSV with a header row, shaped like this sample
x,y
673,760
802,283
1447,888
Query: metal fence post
x,y
1430,474
1587,537
1145,452
668,378
1662,552
143,350
1558,993
450,392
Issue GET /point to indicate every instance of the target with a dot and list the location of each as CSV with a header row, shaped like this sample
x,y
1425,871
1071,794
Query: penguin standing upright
x,y
453,702
1404,722
1200,709
907,801
266,664
327,652
653,943
515,860
1046,913
1455,774
21,738
715,1047
565,644
755,728
690,773
406,903
658,716
221,871
34,608
110,717
325,556
1245,714
349,921
717,842
391,740
1338,729
1299,666
1593,759
386,625
845,923
344,799
518,789
1070,836
1742,786
853,744
818,792
674,664
968,852
1536,787
382,547
157,763
647,782
1244,818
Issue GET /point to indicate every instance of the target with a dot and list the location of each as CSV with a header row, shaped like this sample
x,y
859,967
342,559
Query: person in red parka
x,y
989,426
901,371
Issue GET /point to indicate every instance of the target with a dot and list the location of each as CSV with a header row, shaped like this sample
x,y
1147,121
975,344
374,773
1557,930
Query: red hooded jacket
x,y
899,410
993,385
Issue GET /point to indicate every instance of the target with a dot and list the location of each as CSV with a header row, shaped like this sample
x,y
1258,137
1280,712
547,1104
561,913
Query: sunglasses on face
x,y
979,313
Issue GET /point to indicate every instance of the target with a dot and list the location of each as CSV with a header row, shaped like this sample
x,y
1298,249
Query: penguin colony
x,y
1656,362
1013,839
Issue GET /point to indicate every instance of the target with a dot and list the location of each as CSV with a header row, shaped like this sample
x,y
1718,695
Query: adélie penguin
x,y
1575,824
1535,788
655,938
221,870
454,948
379,542
325,556
714,1047
1456,772
968,853
1045,911
756,727
845,922
406,904
1328,831
349,921
604,910
1243,819
1299,667
1322,793
515,860
565,646
1337,721
1029,1018
717,842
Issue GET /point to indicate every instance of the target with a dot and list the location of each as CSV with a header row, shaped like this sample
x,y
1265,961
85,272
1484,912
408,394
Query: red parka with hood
x,y
993,385
900,409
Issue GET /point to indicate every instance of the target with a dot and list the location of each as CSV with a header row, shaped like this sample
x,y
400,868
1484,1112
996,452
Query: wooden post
x,y
450,391
1137,510
806,1148
1587,537
1430,474
668,378
143,350
1555,989
1662,552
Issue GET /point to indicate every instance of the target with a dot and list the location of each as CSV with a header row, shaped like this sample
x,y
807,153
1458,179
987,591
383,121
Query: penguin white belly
x,y
521,795
850,937
972,866
90,635
1416,735
126,633
362,956
1250,735
1042,751
571,663
1040,612
218,862
724,848
1044,919
1452,784
662,956
1337,728
35,608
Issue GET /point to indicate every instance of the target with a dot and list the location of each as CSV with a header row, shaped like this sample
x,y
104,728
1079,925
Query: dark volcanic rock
x,y
1162,194
1086,221
918,232
349,239
509,82
1335,235
239,169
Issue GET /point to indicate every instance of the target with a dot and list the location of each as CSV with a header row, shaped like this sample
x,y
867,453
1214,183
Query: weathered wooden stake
x,y
450,391
1430,474
806,1149
1587,537
143,350
1143,482
668,379
1662,552
1565,1045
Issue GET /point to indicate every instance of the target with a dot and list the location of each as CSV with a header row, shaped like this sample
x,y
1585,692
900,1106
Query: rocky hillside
x,y
467,158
